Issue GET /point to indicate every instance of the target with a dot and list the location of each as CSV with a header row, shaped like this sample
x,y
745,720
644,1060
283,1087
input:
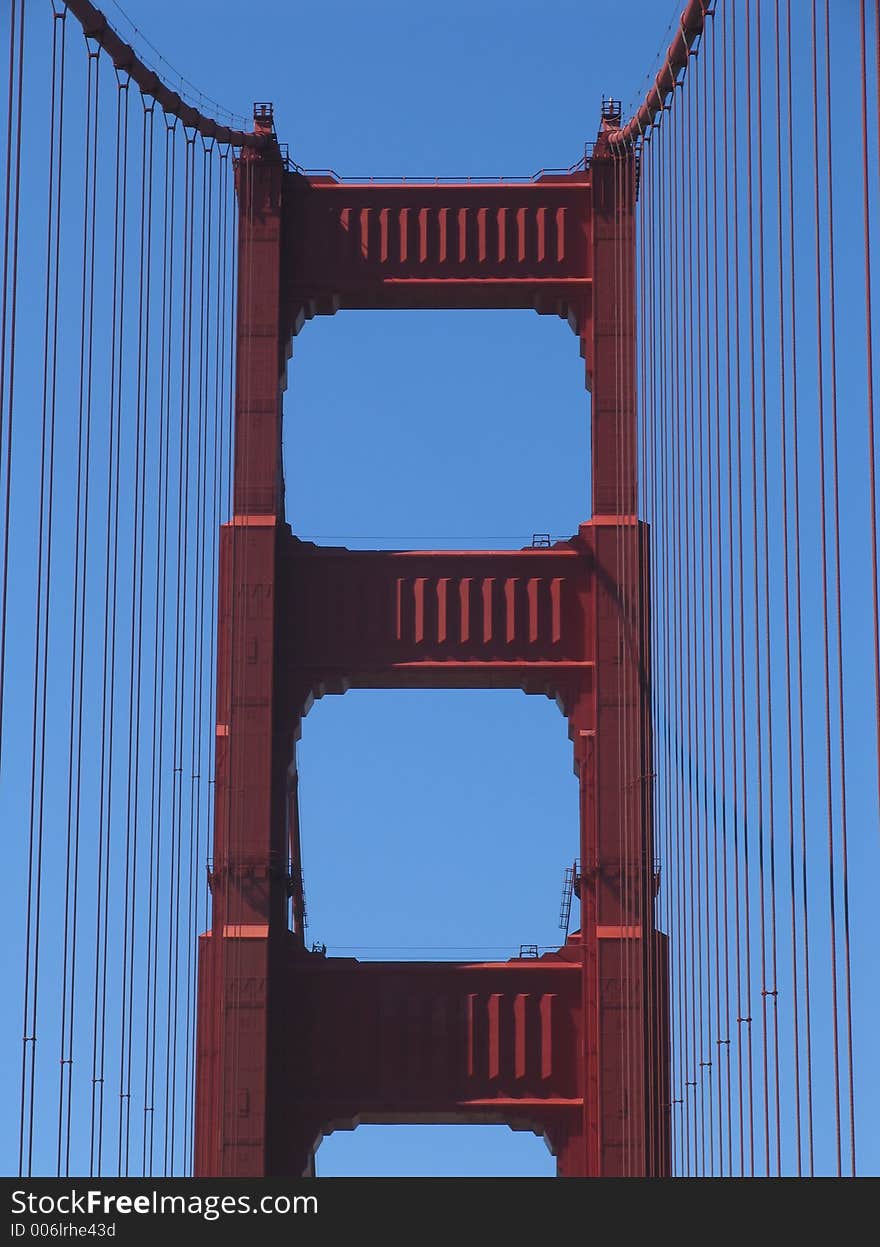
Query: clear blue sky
x,y
431,821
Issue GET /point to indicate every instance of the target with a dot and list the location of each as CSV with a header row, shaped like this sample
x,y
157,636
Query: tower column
x,y
240,956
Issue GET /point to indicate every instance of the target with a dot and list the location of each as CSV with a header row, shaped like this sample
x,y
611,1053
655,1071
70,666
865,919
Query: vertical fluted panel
x,y
510,615
533,237
509,1040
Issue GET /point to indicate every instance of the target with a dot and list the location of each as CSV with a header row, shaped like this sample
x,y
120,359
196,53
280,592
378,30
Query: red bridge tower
x,y
574,1044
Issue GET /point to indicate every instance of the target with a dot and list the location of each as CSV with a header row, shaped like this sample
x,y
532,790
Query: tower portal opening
x,y
436,824
436,429
447,1151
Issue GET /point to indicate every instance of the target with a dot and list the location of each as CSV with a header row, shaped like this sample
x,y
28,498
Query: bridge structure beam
x,y
292,1044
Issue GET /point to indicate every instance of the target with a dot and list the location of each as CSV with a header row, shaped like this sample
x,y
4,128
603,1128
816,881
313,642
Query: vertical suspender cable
x,y
111,583
732,355
757,400
725,1121
687,496
770,994
201,613
158,734
49,387
180,651
711,1056
136,667
707,757
786,227
835,471
820,394
642,244
42,643
8,314
674,545
869,366
80,559
9,303
50,378
799,613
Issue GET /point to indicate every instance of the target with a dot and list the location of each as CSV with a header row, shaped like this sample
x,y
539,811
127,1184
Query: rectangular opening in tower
x,y
435,429
436,824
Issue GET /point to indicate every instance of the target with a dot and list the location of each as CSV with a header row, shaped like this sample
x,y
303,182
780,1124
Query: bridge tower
x,y
572,1045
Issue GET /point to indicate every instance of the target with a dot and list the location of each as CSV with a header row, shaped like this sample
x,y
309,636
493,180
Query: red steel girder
x,y
422,1042
449,245
410,619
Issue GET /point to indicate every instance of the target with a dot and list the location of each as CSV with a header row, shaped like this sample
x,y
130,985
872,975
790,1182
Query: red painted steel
x,y
690,27
439,619
572,1045
459,245
126,61
236,1056
432,1042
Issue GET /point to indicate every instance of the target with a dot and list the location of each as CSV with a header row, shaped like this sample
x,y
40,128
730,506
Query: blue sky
x,y
441,821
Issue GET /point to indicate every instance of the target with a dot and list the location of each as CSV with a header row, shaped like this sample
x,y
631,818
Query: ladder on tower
x,y
570,881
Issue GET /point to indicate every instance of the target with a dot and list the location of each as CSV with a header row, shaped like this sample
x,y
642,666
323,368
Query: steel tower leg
x,y
237,1131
